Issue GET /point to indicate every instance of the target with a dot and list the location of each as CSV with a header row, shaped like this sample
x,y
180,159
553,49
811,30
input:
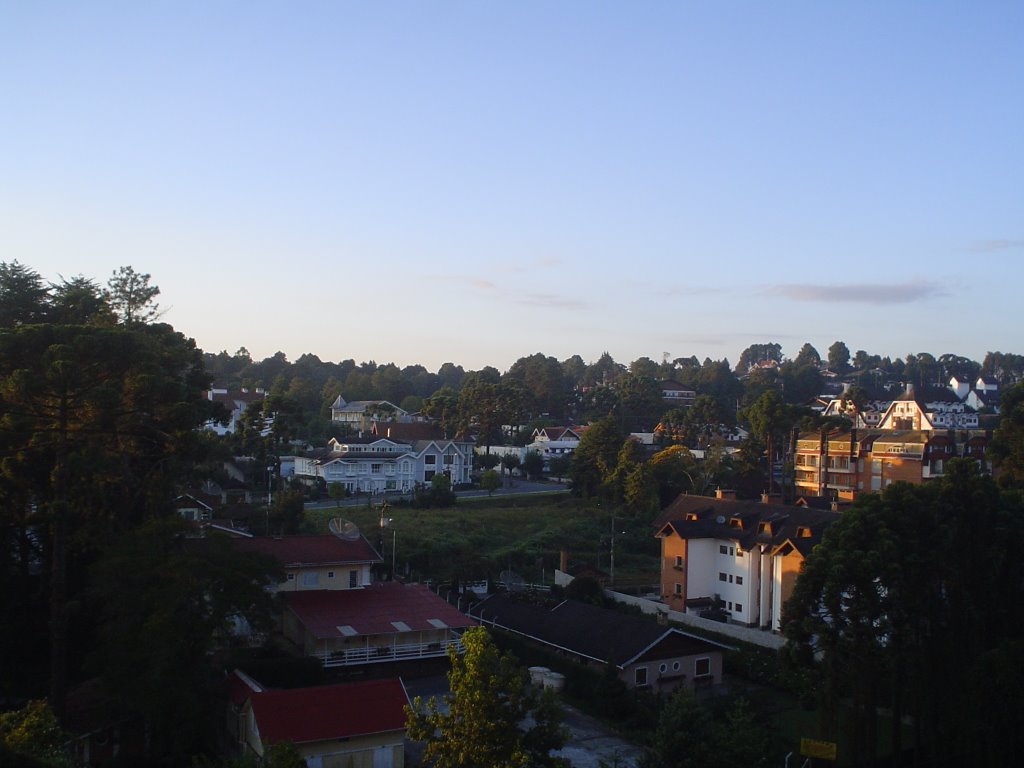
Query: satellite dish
x,y
343,529
720,519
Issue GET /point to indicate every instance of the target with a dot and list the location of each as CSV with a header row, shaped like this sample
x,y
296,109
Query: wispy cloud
x,y
688,290
549,301
858,293
992,246
498,292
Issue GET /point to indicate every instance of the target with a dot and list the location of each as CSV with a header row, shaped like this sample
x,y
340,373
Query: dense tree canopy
x,y
910,604
1008,442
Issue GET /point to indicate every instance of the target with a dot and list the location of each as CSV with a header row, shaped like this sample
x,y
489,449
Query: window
x,y
330,574
739,608
702,666
730,605
640,675
449,459
730,578
376,468
675,666
721,577
310,578
353,579
679,561
722,549
663,668
739,580
430,459
291,577
678,589
732,551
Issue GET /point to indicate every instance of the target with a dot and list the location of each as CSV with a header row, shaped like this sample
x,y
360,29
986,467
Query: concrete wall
x,y
747,634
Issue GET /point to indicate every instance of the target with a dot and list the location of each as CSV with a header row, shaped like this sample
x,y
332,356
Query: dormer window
x,y
735,522
803,532
691,516
764,528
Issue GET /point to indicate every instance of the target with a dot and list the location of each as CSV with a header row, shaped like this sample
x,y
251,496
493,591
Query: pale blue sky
x,y
474,182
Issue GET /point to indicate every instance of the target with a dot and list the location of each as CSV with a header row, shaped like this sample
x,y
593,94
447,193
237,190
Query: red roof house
x,y
348,723
381,623
317,562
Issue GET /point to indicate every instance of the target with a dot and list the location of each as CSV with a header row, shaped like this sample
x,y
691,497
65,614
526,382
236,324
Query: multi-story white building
x,y
382,463
740,557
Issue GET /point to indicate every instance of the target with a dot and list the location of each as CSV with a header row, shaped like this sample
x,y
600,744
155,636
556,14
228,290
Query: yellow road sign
x,y
826,750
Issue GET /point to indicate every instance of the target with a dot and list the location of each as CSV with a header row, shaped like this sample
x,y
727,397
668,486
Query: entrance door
x,y
382,757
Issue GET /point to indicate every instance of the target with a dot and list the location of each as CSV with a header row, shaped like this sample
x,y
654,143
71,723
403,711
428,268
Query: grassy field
x,y
478,538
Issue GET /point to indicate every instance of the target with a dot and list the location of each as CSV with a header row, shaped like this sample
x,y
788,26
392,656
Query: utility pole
x,y
611,568
384,522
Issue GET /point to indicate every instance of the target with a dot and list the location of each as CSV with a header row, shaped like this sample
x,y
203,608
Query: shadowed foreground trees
x,y
164,602
97,424
693,735
911,603
483,726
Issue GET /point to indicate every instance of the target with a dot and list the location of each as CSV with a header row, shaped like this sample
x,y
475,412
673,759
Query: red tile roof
x,y
321,549
372,610
330,711
240,687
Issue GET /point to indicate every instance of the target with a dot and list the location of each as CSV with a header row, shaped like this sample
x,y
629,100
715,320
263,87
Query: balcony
x,y
375,654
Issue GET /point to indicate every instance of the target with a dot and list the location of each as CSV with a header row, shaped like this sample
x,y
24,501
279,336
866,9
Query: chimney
x,y
727,495
563,561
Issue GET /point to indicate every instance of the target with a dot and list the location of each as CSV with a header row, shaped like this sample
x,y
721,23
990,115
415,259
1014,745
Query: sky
x,y
475,182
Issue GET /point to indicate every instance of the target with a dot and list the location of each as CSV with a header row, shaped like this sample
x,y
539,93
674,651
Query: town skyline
x,y
422,184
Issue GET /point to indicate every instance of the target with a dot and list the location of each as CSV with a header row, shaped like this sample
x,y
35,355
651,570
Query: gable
x,y
307,550
330,712
584,630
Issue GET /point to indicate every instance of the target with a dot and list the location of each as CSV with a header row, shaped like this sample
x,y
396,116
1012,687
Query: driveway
x,y
589,744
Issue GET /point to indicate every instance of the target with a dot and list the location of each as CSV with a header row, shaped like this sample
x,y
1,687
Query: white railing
x,y
375,654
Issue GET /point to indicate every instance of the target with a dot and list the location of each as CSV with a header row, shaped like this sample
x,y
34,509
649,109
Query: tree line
x,y
100,410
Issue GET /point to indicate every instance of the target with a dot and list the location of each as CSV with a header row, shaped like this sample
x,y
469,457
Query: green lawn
x,y
478,538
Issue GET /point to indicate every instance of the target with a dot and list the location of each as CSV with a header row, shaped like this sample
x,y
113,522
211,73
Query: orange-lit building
x,y
736,557
907,446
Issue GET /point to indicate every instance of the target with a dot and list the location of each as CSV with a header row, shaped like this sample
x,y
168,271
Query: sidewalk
x,y
590,743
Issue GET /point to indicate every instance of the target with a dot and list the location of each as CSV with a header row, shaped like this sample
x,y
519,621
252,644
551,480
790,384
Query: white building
x,y
376,464
740,558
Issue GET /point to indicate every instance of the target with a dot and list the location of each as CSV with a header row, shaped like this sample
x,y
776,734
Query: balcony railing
x,y
374,654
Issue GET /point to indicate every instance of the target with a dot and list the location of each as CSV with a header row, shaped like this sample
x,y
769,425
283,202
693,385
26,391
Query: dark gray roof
x,y
715,520
589,631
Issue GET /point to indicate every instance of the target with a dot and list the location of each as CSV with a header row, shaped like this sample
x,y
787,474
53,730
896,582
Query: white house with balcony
x,y
360,414
377,464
